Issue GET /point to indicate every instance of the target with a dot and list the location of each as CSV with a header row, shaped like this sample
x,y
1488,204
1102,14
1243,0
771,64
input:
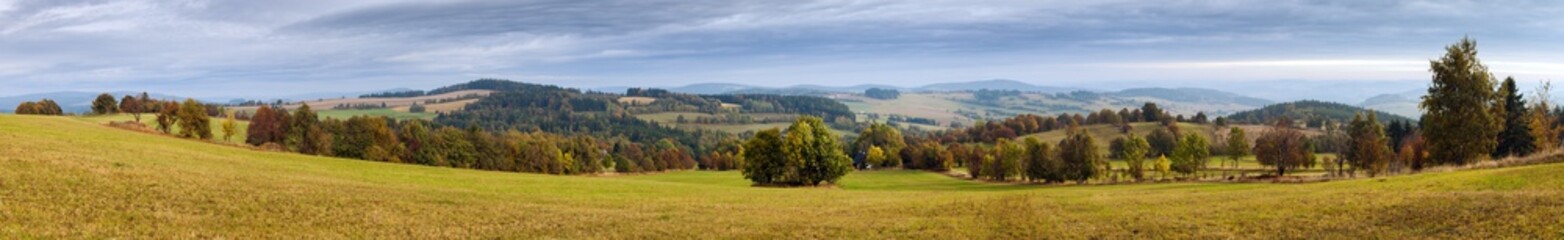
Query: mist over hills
x,y
1400,100
1396,97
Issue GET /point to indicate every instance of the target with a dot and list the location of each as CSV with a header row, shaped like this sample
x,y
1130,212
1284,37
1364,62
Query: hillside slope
x,y
70,178
1310,111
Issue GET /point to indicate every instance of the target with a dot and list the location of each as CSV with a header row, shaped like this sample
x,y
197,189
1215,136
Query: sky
x,y
249,48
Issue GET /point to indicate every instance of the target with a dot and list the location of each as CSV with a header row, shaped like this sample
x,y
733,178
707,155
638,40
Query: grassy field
x,y
74,178
150,120
345,114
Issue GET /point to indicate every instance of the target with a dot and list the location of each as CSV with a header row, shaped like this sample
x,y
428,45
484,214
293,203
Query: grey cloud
x,y
297,45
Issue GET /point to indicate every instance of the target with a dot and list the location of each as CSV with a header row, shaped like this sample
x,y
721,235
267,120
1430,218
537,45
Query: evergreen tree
x,y
1516,138
1460,118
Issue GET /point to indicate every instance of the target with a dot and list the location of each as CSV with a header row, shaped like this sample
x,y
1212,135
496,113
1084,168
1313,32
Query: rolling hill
x,y
995,84
1311,112
134,185
956,102
967,107
1404,104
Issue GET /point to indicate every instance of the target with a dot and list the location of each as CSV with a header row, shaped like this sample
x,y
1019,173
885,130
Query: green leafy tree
x,y
1460,118
1150,112
1006,162
1039,163
193,122
1135,149
458,151
811,145
1080,156
417,140
1191,154
1237,145
766,164
305,134
104,104
885,137
1162,142
1370,149
416,108
1516,139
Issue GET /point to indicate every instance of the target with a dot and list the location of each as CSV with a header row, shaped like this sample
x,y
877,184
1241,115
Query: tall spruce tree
x,y
1516,139
1460,120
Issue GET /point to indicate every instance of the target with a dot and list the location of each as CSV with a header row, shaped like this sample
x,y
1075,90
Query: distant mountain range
x,y
1404,103
70,102
1192,95
724,88
81,102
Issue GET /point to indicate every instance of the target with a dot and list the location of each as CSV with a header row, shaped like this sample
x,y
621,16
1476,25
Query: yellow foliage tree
x,y
230,126
1544,131
876,157
1164,166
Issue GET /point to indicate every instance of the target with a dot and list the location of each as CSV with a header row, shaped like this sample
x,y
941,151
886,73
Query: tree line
x,y
427,143
41,107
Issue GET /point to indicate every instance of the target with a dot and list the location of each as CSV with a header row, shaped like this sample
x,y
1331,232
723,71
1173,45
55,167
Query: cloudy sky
x,y
247,48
